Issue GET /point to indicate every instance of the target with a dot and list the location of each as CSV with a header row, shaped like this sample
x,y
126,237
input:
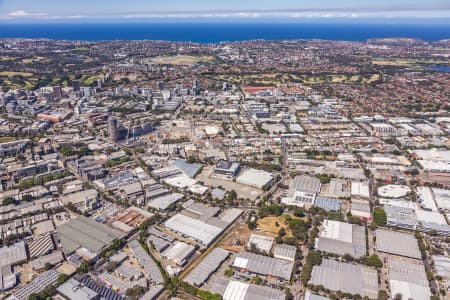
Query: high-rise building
x,y
161,85
196,87
76,85
57,91
113,129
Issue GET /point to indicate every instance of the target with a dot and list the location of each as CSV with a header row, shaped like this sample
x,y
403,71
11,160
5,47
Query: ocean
x,y
221,32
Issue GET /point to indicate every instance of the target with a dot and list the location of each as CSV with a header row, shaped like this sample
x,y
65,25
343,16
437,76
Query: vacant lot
x,y
237,239
6,139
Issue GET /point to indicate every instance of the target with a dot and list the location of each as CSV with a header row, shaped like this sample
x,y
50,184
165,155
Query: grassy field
x,y
276,78
180,59
408,62
268,225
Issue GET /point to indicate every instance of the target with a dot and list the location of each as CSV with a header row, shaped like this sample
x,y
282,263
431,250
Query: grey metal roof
x,y
87,233
345,277
13,254
284,251
264,265
189,169
327,203
73,289
305,183
207,266
218,193
37,285
398,243
442,265
403,270
230,290
106,293
310,296
357,248
361,207
146,262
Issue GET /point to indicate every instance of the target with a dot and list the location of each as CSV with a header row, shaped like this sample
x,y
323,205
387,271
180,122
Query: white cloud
x,y
25,14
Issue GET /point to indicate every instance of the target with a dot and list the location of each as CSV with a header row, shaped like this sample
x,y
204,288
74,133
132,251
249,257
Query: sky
x,y
300,10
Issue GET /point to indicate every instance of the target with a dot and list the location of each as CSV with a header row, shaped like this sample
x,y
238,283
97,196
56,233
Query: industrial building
x,y
202,223
38,284
255,178
249,264
72,289
303,191
345,277
86,233
393,191
149,265
284,251
442,265
342,238
408,279
360,190
232,290
86,200
227,168
200,274
179,253
13,255
398,243
311,296
8,279
261,243
414,219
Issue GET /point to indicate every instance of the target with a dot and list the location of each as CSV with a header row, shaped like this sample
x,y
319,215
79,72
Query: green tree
x,y
379,216
375,261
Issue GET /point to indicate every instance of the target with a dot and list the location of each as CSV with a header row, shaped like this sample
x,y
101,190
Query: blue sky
x,y
85,10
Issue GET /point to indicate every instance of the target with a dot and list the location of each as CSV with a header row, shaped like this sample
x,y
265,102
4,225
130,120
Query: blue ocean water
x,y
439,68
219,32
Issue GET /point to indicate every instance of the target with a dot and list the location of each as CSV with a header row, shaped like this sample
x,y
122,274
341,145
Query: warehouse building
x,y
360,190
88,234
72,289
311,296
249,264
261,243
8,279
284,251
255,178
442,265
398,243
342,238
408,279
227,168
328,204
232,290
303,191
345,277
163,202
420,220
86,200
42,245
13,255
202,223
149,265
179,253
38,284
201,273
